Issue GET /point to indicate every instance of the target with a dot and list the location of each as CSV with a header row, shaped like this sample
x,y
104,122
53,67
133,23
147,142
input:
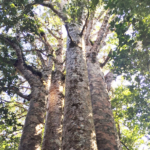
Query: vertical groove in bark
x,y
106,134
32,131
78,126
53,126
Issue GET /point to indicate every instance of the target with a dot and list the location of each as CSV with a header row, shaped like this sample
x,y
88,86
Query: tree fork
x,y
78,126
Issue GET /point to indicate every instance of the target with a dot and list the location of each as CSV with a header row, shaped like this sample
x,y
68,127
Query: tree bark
x,y
78,126
32,131
106,134
53,126
39,82
52,139
34,122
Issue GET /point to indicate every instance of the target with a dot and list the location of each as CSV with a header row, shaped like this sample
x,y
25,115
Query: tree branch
x,y
50,31
98,18
68,33
32,50
58,13
13,102
27,71
91,24
48,47
89,28
106,60
14,46
86,21
41,58
101,33
16,90
21,116
124,145
25,110
53,34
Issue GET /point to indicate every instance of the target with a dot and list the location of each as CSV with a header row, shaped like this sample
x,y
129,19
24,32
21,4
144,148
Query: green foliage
x,y
38,1
75,8
131,113
131,59
131,13
16,20
8,75
93,4
11,125
15,14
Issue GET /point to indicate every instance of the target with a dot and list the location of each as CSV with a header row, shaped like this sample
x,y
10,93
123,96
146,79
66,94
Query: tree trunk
x,y
106,134
32,131
53,126
78,126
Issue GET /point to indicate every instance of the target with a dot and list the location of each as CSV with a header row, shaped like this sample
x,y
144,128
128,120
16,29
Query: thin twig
x,y
124,145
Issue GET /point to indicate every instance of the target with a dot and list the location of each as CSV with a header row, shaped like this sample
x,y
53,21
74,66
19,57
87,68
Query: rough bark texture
x,y
34,122
78,126
53,126
106,134
32,131
39,83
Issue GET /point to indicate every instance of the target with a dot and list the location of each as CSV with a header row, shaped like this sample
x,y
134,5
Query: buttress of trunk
x,y
53,126
32,131
78,125
106,134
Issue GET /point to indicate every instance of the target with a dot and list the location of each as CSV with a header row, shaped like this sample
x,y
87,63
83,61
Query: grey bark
x,y
106,134
53,126
52,139
32,131
34,122
39,82
78,126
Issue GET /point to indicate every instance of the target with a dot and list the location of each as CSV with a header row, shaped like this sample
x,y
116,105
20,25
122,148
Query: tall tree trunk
x,y
34,122
53,126
106,134
78,125
32,131
39,82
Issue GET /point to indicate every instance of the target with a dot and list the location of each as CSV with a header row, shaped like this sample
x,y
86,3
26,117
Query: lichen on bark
x,y
78,126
